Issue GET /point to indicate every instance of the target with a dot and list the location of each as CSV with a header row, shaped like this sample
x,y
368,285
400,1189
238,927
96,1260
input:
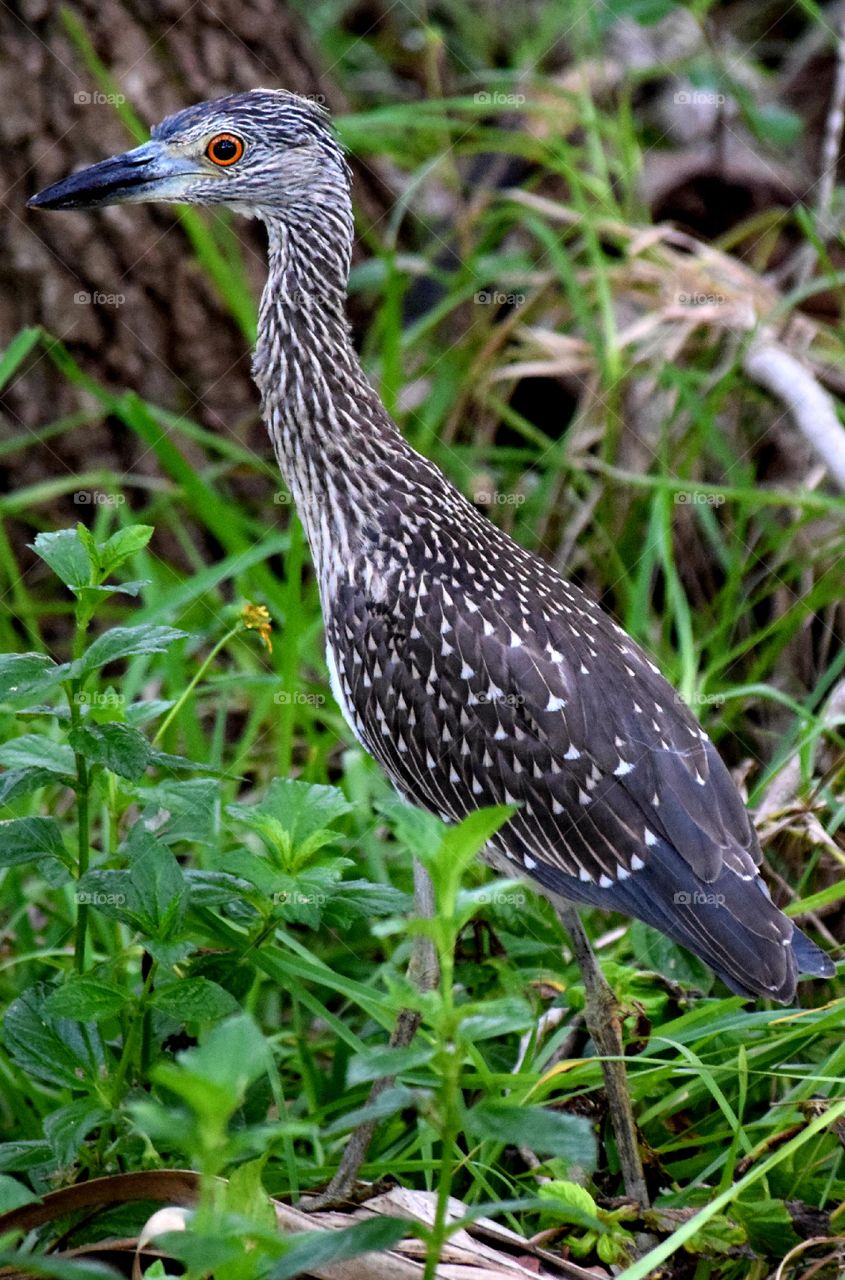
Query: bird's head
x,y
258,152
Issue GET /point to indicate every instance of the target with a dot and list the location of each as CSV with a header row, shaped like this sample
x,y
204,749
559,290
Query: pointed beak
x,y
150,172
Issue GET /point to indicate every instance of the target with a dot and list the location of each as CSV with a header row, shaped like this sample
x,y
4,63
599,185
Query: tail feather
x,y
730,923
809,958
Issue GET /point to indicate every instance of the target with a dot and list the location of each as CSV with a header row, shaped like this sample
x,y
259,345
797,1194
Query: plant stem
x,y
289,658
449,1135
177,706
83,849
130,1041
446,937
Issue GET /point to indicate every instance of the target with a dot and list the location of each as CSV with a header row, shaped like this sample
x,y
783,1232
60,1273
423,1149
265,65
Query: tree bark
x,y
122,287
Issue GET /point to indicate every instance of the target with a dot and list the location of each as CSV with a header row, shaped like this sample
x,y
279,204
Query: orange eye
x,y
225,149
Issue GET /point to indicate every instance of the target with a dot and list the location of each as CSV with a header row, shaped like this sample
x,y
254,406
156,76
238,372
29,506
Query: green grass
x,y
271,925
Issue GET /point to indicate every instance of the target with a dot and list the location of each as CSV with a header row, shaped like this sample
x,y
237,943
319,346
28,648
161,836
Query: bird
x,y
472,671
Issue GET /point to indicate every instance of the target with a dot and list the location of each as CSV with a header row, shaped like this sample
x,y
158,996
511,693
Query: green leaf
x,y
654,951
213,1078
388,1061
194,1000
459,845
28,839
90,598
417,829
462,843
294,815
42,1267
720,1235
211,888
123,544
140,712
245,1194
356,899
387,1103
553,1133
52,1049
67,1128
119,748
86,999
132,588
570,1194
158,885
125,642
257,872
31,751
164,760
227,971
66,555
25,1155
768,1226
17,351
13,1194
21,672
150,897
111,894
89,545
496,1018
20,782
315,1250
301,899
181,809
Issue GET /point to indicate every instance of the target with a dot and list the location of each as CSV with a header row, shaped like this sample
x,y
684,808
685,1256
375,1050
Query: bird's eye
x,y
225,149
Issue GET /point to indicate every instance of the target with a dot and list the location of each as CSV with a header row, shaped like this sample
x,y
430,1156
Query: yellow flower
x,y
256,617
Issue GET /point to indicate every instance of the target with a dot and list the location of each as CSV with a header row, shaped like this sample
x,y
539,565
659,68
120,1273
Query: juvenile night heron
x,y
470,670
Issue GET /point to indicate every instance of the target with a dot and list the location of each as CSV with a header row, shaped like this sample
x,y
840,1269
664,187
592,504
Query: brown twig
x,y
601,1014
423,972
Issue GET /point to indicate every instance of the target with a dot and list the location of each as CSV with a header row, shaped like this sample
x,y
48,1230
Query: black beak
x,y
147,173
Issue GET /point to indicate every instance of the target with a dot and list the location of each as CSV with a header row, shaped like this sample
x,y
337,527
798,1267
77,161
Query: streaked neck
x,y
336,445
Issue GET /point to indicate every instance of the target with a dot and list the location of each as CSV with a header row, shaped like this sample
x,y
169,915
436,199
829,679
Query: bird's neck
x,y
336,444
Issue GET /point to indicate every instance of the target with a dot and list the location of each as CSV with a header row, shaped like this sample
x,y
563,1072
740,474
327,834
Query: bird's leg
x,y
423,972
601,1014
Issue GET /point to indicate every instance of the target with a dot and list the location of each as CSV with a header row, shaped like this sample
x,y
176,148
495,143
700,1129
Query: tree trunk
x,y
122,286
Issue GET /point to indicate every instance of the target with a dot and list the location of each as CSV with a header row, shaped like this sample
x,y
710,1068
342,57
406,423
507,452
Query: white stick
x,y
812,408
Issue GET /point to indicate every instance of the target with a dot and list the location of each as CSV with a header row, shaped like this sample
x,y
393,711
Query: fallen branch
x,y
812,408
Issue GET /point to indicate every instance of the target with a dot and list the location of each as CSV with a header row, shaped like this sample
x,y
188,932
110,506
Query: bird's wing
x,y
473,697
473,704
636,765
